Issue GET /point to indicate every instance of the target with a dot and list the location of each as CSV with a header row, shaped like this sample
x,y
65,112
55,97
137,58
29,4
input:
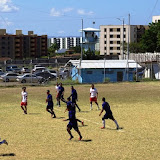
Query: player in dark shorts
x,y
60,94
4,141
72,107
72,123
50,104
108,114
74,97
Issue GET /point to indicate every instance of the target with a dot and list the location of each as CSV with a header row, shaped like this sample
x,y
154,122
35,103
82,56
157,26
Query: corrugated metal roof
x,y
105,63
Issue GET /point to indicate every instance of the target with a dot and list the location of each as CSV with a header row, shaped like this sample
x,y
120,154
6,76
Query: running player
x,y
93,96
72,107
74,97
57,91
24,100
72,123
50,104
108,114
61,94
4,141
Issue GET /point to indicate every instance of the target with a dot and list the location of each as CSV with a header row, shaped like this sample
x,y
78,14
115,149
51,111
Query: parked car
x,y
25,70
63,74
14,69
39,69
53,72
1,72
46,75
29,78
7,77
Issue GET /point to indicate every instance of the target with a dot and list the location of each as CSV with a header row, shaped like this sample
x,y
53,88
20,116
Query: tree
x,y
150,41
52,49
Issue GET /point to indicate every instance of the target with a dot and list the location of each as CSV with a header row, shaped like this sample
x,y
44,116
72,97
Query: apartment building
x,y
155,19
112,37
65,42
21,46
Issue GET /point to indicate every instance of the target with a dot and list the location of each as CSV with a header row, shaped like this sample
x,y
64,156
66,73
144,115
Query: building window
x,y
124,36
105,29
111,42
111,36
105,36
111,29
118,42
111,53
111,48
105,42
118,53
118,29
118,36
89,72
105,48
118,48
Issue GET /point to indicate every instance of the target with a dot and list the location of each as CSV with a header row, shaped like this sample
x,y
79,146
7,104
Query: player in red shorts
x,y
24,100
93,96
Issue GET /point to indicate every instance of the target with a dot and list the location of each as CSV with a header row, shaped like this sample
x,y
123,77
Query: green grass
x,y
38,137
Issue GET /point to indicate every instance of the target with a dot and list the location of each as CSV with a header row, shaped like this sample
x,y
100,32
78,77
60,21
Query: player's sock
x,y
103,122
116,124
78,107
90,106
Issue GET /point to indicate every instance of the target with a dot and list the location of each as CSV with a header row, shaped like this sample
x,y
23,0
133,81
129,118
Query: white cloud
x,y
83,12
58,13
7,6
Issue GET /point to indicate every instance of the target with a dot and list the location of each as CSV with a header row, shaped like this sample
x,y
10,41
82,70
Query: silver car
x,y
7,77
29,78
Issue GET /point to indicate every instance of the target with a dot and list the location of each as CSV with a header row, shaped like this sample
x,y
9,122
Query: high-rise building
x,y
22,46
65,42
113,36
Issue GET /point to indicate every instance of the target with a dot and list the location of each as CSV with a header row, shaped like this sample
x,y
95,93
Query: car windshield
x,y
14,67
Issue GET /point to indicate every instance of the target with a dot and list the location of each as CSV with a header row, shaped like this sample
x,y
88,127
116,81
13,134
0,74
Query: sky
x,y
64,17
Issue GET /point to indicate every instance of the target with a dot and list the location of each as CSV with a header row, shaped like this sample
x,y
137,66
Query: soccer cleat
x,y
102,127
54,117
82,123
5,142
79,110
80,138
71,137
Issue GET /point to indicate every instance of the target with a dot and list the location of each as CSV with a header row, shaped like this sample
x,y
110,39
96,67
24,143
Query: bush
x,y
107,80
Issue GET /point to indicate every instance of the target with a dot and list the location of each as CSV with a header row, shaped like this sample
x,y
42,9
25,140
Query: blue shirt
x,y
61,89
74,94
106,107
72,116
70,105
50,100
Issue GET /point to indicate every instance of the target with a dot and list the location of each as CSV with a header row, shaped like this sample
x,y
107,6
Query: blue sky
x,y
63,17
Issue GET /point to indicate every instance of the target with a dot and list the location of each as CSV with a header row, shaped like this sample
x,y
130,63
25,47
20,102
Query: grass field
x,y
136,106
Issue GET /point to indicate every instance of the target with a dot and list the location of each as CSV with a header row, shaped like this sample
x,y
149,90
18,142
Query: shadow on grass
x,y
83,125
33,113
7,155
60,117
84,140
115,129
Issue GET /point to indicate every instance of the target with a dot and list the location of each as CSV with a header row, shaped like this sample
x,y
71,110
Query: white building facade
x,y
65,42
155,19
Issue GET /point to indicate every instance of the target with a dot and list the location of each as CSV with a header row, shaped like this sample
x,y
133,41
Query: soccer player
x,y
72,107
61,94
24,100
72,123
4,141
74,97
108,114
49,107
93,96
57,91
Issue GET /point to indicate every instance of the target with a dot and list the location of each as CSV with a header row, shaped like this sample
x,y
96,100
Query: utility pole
x,y
81,48
128,47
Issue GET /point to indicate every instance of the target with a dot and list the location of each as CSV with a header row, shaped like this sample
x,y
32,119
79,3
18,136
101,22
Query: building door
x,y
119,76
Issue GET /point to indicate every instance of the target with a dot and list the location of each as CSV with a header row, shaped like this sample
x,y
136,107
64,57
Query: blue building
x,y
97,71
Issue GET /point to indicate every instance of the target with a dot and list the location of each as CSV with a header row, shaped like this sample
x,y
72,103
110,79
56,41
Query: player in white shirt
x,y
93,96
57,91
24,95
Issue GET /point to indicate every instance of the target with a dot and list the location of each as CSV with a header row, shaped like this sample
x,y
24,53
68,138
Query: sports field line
x,y
79,117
